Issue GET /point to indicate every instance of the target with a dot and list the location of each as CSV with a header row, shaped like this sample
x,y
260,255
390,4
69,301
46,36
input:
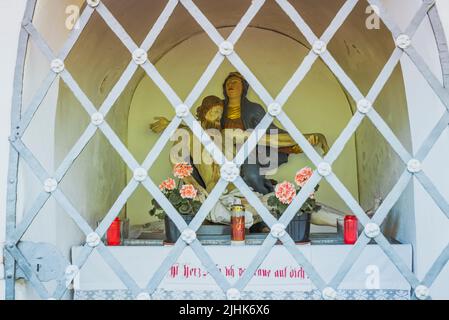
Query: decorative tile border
x,y
246,295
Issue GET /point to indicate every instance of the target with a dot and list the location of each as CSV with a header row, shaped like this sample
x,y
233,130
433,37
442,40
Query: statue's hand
x,y
322,142
318,140
159,125
296,149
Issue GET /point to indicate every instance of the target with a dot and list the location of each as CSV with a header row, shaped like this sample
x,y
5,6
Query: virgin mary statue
x,y
240,113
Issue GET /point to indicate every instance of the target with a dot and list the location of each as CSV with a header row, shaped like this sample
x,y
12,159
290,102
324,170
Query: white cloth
x,y
278,272
221,212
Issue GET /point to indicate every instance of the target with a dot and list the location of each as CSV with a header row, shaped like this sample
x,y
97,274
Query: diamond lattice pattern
x,y
225,50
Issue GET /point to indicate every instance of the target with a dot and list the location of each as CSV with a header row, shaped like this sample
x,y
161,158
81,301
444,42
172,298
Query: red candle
x,y
113,234
350,229
238,225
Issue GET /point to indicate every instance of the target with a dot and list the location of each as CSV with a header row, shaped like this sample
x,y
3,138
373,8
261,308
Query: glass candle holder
x,y
351,229
113,236
238,224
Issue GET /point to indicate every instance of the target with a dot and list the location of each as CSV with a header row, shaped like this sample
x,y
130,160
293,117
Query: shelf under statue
x,y
230,122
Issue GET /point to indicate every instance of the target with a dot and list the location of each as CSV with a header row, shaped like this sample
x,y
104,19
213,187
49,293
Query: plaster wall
x,y
11,14
425,110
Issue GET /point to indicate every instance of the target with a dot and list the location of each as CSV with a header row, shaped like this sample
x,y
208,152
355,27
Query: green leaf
x,y
272,201
175,199
156,204
185,208
196,206
282,207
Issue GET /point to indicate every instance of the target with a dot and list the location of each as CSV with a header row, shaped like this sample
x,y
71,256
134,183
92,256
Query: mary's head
x,y
235,86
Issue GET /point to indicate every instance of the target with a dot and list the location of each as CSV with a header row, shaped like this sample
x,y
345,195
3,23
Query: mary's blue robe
x,y
251,115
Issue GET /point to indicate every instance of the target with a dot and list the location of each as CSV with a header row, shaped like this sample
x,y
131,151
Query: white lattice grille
x,y
225,50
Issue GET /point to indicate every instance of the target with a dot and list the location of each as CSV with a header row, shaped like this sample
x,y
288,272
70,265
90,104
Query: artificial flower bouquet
x,y
181,195
286,191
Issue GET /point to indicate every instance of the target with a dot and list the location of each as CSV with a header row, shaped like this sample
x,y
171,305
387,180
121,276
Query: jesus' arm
x,y
284,140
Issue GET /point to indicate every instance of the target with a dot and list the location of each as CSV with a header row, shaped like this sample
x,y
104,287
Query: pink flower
x,y
168,184
182,170
303,176
188,191
285,192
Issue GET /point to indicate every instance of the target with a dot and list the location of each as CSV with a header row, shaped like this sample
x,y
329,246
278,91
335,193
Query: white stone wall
x,y
425,110
11,13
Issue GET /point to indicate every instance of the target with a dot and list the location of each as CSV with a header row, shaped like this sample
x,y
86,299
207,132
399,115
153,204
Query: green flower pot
x,y
171,231
299,228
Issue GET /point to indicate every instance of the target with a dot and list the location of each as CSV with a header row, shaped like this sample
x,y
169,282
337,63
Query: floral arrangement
x,y
286,191
182,196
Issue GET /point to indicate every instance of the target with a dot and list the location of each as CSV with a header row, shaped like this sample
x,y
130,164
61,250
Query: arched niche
x,y
320,108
